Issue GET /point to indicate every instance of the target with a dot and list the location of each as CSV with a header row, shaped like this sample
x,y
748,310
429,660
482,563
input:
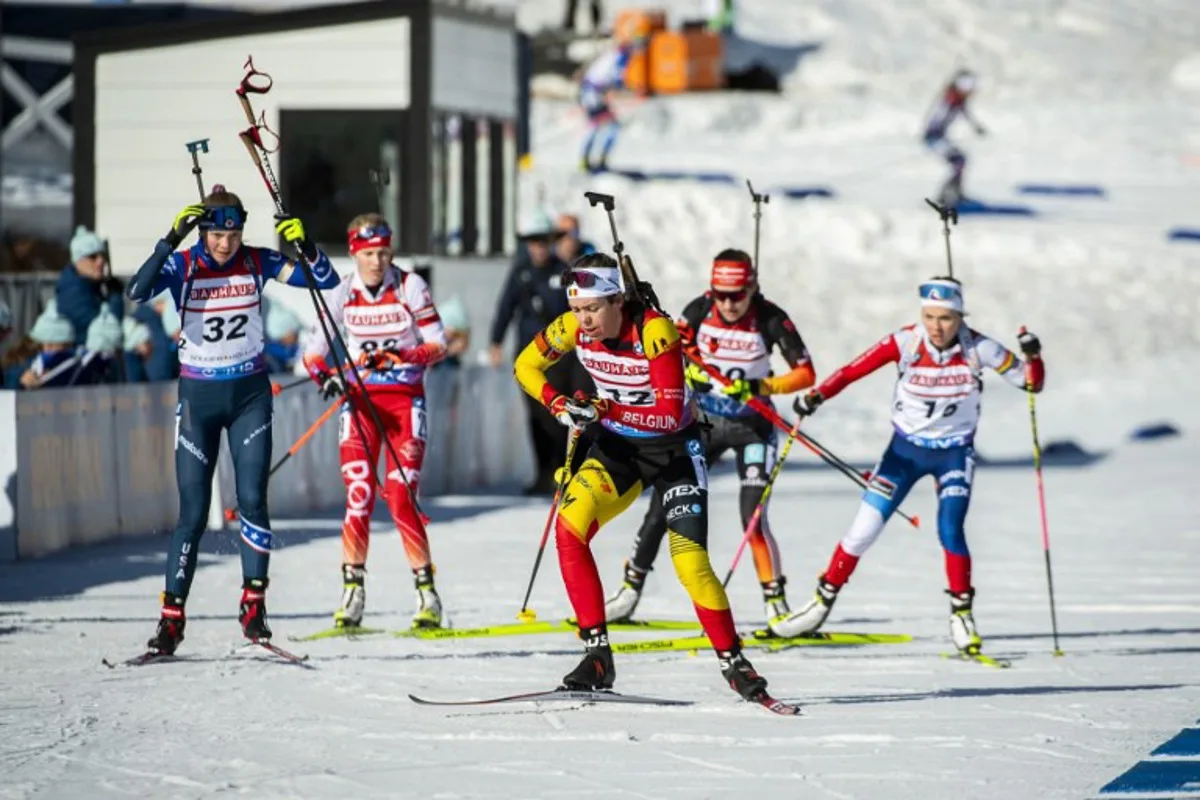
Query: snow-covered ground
x,y
1072,92
885,721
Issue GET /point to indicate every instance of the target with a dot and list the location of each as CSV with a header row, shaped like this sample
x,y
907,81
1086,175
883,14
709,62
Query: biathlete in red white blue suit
x,y
393,332
217,286
935,412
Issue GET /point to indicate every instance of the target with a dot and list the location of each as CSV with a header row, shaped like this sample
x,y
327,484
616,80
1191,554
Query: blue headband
x,y
224,218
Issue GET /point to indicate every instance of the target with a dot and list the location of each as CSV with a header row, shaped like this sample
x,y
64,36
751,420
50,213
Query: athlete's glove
x,y
292,231
742,389
1031,346
807,403
577,414
698,378
331,385
185,222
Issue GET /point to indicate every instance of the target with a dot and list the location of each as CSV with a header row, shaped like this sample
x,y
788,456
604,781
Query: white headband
x,y
942,294
604,282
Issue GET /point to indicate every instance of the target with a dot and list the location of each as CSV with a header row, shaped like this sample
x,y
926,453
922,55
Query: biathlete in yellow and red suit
x,y
644,434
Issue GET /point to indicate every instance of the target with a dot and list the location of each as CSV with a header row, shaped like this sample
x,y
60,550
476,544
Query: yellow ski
x,y
834,638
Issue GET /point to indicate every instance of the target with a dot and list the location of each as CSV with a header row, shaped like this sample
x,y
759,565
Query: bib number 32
x,y
218,329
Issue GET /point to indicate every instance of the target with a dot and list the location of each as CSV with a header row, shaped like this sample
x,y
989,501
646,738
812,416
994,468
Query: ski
x,y
351,632
530,628
979,658
557,695
777,706
826,638
148,657
286,655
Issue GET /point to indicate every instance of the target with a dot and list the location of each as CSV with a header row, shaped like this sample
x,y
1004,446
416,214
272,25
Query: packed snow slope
x,y
884,722
1092,93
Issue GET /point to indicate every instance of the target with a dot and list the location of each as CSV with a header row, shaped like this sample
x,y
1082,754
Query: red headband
x,y
732,274
359,242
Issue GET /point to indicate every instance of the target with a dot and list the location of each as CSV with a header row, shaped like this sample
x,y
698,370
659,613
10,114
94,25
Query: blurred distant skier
x,y
606,74
949,106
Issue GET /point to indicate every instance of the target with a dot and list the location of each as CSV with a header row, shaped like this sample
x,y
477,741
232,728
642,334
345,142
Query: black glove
x,y
1031,346
806,404
185,222
332,386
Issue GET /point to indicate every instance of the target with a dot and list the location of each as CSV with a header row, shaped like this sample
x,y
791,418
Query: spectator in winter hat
x,y
458,331
5,321
56,362
165,306
139,348
569,246
84,285
99,362
283,337
162,364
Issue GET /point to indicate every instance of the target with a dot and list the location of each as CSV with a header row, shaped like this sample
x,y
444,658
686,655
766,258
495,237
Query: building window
x,y
326,169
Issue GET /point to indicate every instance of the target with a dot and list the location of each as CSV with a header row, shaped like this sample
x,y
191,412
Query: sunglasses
x,y
367,232
730,297
581,278
937,291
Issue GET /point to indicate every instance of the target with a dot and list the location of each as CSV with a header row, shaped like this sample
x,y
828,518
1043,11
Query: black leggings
x,y
243,407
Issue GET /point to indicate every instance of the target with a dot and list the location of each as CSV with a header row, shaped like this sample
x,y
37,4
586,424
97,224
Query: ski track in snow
x,y
1072,92
884,720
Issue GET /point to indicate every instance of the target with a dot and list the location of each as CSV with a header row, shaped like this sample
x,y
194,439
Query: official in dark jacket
x,y
533,296
85,285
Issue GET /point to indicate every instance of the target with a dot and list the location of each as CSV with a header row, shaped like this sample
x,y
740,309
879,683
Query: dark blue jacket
x,y
533,295
79,299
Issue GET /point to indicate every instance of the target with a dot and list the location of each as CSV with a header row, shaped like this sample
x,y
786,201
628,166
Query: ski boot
x,y
354,597
808,619
596,671
741,675
620,607
252,612
962,624
775,600
170,626
429,605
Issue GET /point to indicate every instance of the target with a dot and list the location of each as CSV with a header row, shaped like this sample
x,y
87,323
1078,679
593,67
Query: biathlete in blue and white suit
x,y
935,412
217,285
606,74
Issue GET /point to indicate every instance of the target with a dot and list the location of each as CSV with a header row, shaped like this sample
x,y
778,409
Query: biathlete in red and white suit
x,y
393,332
733,328
935,412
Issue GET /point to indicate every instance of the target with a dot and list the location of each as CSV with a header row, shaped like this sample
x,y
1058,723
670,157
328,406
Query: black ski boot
x,y
170,626
596,670
253,610
743,678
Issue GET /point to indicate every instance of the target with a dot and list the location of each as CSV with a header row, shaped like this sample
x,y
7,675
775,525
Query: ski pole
x,y
231,513
758,200
1041,491
762,501
279,388
527,614
949,214
811,444
257,82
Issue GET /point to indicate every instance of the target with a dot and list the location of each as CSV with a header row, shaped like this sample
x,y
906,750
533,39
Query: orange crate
x,y
633,24
684,62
